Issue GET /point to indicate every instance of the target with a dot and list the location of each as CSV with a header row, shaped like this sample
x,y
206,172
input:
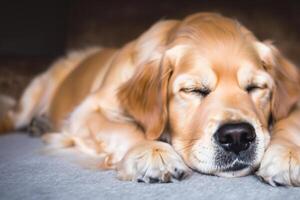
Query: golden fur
x,y
114,105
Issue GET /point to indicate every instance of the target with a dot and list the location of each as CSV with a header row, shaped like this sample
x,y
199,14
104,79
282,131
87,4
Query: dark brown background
x,y
34,32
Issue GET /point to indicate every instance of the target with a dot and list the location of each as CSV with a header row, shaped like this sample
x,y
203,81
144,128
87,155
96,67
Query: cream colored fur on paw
x,y
152,162
281,166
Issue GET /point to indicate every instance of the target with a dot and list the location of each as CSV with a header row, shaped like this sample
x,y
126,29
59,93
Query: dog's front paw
x,y
281,165
152,162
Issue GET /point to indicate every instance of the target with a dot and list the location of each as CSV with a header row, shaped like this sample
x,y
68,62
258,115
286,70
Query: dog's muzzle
x,y
236,148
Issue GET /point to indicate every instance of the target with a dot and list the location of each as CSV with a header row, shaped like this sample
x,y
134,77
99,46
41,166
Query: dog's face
x,y
219,106
214,89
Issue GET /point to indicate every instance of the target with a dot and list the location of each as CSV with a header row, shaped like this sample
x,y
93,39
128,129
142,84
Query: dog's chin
x,y
237,169
235,173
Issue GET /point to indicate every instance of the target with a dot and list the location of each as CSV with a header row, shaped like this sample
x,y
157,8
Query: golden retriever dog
x,y
202,93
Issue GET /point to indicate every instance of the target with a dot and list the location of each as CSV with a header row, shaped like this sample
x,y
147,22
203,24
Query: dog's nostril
x,y
235,137
225,139
247,136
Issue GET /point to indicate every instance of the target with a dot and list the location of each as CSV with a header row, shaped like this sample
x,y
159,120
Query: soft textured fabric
x,y
25,173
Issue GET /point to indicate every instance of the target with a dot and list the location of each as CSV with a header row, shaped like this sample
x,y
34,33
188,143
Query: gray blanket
x,y
27,174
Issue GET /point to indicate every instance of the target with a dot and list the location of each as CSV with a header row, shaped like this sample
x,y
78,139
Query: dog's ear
x,y
286,90
144,97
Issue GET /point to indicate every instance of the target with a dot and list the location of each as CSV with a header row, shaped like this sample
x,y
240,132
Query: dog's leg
x,y
22,114
121,144
281,162
37,97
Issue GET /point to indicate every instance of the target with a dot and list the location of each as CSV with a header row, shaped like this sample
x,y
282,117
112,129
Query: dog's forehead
x,y
220,41
191,60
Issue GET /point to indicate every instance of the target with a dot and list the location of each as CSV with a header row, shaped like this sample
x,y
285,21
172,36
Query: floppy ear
x,y
144,97
286,91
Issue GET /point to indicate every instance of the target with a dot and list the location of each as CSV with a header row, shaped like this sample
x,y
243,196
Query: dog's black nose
x,y
235,137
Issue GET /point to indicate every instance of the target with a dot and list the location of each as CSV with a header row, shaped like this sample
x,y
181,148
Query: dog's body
x,y
205,84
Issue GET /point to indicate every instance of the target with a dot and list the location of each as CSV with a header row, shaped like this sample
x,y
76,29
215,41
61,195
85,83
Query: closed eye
x,y
252,88
198,91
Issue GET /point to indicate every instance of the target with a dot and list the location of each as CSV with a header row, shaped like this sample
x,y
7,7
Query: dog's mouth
x,y
230,164
237,166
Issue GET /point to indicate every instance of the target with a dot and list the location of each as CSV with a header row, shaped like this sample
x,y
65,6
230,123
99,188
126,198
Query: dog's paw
x,y
152,162
281,165
39,126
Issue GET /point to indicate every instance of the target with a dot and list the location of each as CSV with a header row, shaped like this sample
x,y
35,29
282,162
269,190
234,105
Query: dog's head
x,y
214,88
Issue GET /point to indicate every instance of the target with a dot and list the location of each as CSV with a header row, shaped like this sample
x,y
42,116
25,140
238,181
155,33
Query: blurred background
x,y
35,32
